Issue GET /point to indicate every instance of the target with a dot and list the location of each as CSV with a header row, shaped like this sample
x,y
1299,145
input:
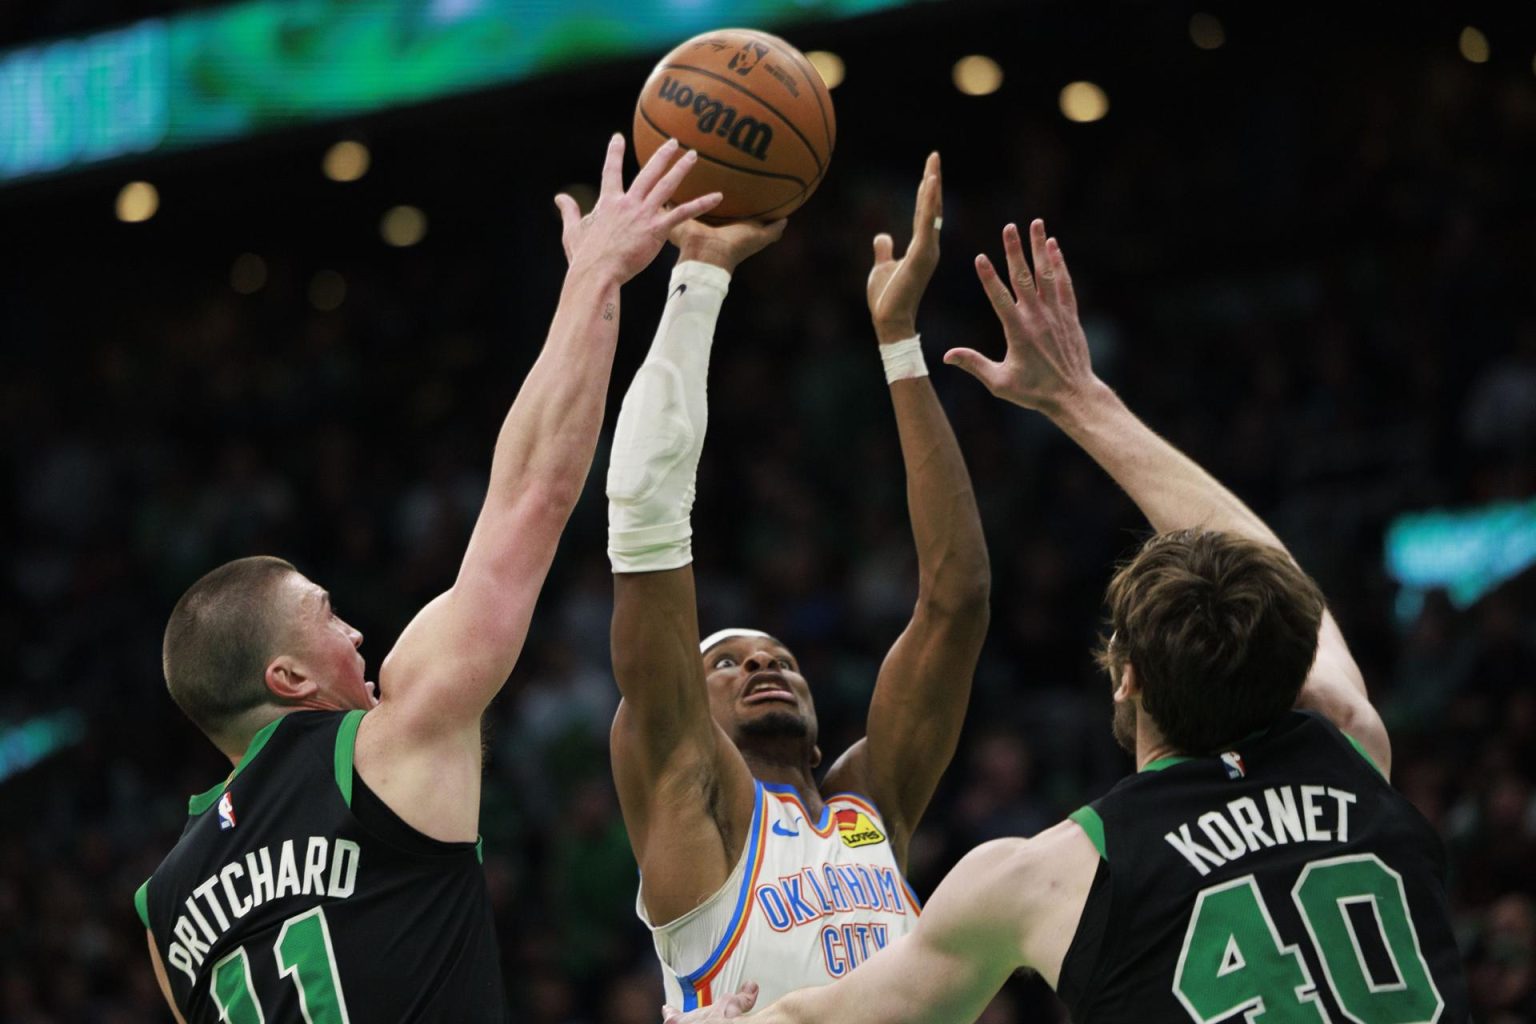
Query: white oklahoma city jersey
x,y
806,904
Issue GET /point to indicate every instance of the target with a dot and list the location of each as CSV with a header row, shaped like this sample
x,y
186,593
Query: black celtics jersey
x,y
1281,882
295,894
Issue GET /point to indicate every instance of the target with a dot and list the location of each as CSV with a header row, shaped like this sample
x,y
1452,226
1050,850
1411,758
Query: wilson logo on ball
x,y
747,134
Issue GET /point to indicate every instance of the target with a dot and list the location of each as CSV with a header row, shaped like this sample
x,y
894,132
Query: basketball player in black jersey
x,y
1259,866
334,875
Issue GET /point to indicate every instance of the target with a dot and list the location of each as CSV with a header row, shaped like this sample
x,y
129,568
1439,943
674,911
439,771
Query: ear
x,y
287,680
1130,686
816,757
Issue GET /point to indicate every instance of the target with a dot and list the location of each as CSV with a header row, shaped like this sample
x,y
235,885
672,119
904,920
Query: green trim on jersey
x,y
200,803
141,902
346,742
480,849
1166,762
1362,752
1089,821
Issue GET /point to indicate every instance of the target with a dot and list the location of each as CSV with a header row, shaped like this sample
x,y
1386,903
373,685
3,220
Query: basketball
x,y
755,110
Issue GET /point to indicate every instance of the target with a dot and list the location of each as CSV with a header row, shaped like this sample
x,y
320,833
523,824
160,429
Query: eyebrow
x,y
770,640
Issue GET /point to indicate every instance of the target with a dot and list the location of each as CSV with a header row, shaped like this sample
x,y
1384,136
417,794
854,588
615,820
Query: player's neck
x,y
237,741
777,771
1150,745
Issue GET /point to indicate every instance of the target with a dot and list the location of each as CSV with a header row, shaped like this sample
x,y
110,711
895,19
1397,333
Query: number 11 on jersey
x,y
304,954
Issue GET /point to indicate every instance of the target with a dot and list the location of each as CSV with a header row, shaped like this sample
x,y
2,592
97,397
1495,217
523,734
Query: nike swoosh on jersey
x,y
780,830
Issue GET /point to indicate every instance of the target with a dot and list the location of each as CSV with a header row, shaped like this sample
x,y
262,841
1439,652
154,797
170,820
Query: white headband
x,y
726,634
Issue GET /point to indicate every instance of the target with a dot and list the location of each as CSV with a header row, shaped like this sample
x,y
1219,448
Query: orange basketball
x,y
756,111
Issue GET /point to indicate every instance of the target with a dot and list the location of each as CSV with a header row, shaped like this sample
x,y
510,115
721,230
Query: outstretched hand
x,y
725,245
626,229
732,1007
895,286
1046,365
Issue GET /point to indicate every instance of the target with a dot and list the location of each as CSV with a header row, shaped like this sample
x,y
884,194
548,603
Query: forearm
x,y
1174,493
1171,490
953,571
548,439
661,427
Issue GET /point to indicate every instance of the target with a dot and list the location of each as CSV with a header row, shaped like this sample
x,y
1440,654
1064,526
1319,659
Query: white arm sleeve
x,y
660,432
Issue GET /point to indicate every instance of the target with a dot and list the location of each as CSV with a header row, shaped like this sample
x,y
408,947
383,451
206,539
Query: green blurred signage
x,y
1465,553
251,67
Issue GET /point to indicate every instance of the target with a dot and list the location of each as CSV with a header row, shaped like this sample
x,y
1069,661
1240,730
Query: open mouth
x,y
767,686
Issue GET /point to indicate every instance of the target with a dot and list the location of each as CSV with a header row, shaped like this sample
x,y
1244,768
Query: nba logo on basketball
x,y
1234,764
746,58
226,812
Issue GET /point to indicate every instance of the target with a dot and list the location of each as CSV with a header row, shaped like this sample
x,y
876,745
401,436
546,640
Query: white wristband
x,y
904,359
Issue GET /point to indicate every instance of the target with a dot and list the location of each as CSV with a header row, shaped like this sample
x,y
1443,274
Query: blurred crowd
x,y
1321,289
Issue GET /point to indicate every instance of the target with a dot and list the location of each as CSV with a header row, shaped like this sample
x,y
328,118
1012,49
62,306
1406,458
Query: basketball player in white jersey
x,y
1104,905
751,867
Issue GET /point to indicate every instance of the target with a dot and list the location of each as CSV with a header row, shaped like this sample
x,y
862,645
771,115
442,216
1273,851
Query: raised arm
x,y
1047,368
924,685
686,793
420,748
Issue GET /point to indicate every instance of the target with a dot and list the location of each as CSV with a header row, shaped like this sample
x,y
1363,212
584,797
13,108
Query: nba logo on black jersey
x,y
1233,762
226,812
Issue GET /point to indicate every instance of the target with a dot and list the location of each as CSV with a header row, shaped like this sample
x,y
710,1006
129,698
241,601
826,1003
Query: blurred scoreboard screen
x,y
209,76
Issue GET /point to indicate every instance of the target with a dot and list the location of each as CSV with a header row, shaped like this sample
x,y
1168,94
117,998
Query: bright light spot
x,y
249,274
977,75
828,65
1474,45
1206,31
346,161
1083,102
327,290
137,202
403,225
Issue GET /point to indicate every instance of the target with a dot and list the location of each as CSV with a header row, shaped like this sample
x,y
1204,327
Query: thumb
x,y
972,362
570,213
883,247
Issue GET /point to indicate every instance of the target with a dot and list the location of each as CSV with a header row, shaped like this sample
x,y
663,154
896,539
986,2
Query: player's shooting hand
x,y
1046,364
725,245
627,228
896,286
734,1006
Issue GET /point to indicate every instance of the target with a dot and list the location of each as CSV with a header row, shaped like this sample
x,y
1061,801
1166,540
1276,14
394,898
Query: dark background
x,y
1307,257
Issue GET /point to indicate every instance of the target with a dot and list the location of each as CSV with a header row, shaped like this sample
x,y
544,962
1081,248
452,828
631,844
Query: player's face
x,y
330,650
756,690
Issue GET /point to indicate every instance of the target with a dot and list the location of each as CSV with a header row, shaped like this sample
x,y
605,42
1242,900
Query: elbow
x,y
965,597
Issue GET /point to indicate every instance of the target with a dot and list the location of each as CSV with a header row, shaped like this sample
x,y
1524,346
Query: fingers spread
x,y
692,209
570,213
1043,265
1018,268
613,167
646,181
670,182
1064,291
972,362
1002,301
